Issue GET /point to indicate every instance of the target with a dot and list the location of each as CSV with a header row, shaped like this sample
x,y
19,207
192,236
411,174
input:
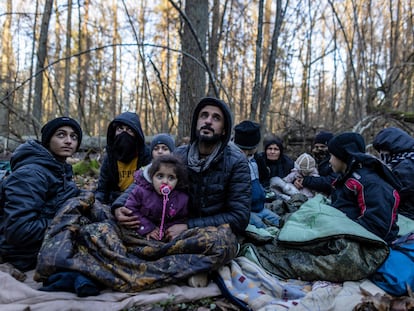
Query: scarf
x,y
396,158
199,165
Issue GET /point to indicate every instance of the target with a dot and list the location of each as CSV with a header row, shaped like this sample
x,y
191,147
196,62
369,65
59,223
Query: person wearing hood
x,y
219,175
126,152
41,181
219,178
272,162
396,149
365,189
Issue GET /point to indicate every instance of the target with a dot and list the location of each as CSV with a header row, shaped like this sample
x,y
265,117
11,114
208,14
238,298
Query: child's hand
x,y
154,234
298,183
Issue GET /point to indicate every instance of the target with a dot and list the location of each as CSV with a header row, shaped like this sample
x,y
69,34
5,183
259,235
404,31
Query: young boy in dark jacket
x,y
366,190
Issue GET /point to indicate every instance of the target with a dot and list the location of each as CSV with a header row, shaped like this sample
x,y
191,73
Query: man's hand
x,y
298,183
173,231
125,218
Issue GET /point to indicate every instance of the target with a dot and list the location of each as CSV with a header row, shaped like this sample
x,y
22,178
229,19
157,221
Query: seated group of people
x,y
160,191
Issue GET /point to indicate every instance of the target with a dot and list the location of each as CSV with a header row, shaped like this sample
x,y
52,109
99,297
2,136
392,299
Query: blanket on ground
x,y
319,242
86,239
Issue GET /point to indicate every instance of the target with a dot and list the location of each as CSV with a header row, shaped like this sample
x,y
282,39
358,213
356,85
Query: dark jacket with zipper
x,y
221,192
32,194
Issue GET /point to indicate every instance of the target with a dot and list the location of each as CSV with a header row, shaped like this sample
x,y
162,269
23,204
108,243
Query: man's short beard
x,y
210,140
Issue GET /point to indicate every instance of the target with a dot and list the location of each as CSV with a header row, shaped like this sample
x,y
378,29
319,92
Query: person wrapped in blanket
x,y
219,177
396,148
365,190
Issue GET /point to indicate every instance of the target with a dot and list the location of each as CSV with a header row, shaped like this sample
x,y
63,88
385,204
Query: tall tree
x,y
6,68
67,57
41,57
193,76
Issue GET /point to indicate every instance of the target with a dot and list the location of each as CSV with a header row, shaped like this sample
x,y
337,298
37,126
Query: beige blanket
x,y
19,296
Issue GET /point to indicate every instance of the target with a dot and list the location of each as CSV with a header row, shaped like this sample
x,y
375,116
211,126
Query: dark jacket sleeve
x,y
322,184
121,200
103,190
26,195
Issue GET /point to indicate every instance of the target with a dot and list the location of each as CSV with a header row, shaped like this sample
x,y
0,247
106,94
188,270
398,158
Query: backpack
x,y
397,272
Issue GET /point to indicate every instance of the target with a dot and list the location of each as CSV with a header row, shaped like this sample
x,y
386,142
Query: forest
x,y
296,67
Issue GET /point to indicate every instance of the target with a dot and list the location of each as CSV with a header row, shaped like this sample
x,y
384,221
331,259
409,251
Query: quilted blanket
x,y
85,238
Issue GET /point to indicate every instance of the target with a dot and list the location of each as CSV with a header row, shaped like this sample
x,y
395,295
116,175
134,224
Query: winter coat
x,y
401,161
147,204
269,169
368,194
220,192
37,187
108,189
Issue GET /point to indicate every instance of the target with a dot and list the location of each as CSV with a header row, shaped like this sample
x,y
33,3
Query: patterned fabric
x,y
318,242
86,239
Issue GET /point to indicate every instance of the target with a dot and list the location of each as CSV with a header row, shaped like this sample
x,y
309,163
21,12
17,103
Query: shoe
x,y
198,280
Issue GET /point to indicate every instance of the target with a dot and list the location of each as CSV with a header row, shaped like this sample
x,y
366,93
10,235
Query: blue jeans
x,y
256,218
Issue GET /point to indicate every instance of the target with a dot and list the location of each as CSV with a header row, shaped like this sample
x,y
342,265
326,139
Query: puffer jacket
x,y
33,192
401,161
221,192
108,189
147,204
368,194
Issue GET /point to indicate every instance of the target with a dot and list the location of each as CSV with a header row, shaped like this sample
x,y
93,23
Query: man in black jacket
x,y
219,174
219,178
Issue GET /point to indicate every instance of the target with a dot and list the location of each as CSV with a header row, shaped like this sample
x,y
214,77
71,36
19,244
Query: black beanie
x,y
323,138
50,128
247,135
346,146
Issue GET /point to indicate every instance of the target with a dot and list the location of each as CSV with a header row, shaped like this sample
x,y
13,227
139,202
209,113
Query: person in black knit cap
x,y
365,190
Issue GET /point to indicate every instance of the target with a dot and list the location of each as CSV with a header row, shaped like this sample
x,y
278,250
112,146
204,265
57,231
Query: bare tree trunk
x,y
265,103
214,43
257,72
41,57
82,78
115,37
193,76
67,60
6,68
30,92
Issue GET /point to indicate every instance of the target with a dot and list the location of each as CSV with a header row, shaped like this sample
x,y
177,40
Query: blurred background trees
x,y
293,66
